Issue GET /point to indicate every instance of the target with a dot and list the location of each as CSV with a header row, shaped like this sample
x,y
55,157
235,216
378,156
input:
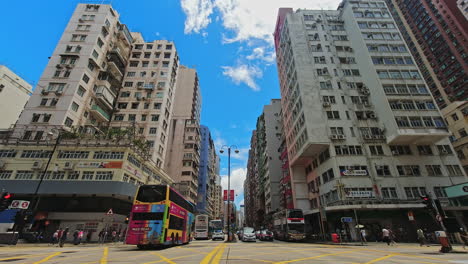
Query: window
x,y
68,122
73,154
389,193
333,115
400,150
4,175
133,63
131,74
131,117
153,130
85,78
128,84
409,170
108,155
440,192
434,170
10,153
454,170
24,175
104,175
415,192
154,117
382,170
425,150
328,176
35,118
462,133
376,150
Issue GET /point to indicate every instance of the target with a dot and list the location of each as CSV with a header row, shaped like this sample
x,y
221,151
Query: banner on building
x,y
101,165
359,194
231,195
353,172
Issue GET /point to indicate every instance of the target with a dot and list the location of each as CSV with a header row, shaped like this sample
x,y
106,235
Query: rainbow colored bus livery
x,y
160,216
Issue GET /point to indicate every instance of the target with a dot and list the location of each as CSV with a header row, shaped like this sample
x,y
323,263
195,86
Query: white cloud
x,y
259,53
243,74
237,180
245,19
198,14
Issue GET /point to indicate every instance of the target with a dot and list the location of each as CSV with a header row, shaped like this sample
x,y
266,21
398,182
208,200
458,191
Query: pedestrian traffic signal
x,y
127,219
5,200
428,202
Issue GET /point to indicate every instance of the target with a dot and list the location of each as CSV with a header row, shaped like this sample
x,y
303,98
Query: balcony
x,y
106,96
120,53
114,70
99,113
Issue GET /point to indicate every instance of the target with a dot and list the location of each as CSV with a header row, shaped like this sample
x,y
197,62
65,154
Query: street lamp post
x,y
229,187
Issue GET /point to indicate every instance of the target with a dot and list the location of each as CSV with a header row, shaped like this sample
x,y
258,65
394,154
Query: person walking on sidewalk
x,y
363,235
63,238
421,238
386,236
55,237
464,237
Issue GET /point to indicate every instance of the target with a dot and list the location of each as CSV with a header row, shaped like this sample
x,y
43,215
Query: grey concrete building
x,y
362,129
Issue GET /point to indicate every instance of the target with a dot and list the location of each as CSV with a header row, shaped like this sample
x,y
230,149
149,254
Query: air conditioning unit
x,y
2,164
68,165
376,136
334,136
326,104
80,20
367,104
69,66
395,153
365,91
444,151
367,137
44,92
379,167
37,165
341,136
372,116
58,92
143,98
59,66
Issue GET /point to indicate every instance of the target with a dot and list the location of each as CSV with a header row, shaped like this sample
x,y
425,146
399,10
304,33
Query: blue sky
x,y
229,42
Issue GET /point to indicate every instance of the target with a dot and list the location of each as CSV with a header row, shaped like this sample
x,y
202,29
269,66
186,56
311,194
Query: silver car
x,y
248,234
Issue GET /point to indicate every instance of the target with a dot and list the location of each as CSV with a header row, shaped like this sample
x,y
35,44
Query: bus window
x,y
147,216
152,193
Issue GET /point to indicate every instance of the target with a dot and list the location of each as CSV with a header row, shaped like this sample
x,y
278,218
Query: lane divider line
x,y
163,258
104,256
219,254
48,257
207,258
381,258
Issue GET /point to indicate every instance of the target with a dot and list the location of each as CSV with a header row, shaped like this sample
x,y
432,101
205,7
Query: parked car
x,y
266,235
257,234
248,234
217,235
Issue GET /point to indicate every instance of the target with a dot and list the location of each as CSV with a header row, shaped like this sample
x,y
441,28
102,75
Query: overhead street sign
x,y
346,219
19,204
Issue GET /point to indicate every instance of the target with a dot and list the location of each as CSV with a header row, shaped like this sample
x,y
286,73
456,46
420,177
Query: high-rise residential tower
x,y
14,93
436,33
183,155
208,173
362,129
463,6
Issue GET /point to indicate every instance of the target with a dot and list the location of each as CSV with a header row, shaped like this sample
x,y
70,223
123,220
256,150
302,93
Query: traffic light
x,y
5,200
127,219
428,202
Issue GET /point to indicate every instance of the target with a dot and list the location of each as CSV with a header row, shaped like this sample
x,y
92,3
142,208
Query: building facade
x,y
361,134
463,6
14,93
208,174
437,35
456,116
183,155
97,125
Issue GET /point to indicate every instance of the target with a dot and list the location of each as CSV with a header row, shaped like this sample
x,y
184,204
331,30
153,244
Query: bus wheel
x,y
141,246
172,239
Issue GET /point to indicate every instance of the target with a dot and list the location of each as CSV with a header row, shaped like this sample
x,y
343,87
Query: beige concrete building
x,y
463,6
14,93
183,155
456,116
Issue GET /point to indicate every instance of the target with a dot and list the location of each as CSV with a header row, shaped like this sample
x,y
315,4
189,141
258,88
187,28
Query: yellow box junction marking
x,y
47,258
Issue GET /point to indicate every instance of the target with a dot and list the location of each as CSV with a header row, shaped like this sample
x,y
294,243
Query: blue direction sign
x,y
346,219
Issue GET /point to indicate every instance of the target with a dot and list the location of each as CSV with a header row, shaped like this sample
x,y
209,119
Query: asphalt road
x,y
210,252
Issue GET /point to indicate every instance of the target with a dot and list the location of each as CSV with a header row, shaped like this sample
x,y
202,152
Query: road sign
x,y
346,219
110,212
439,218
411,216
19,204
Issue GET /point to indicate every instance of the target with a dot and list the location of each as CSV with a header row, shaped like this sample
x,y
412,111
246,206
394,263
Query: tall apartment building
x,y
96,126
208,173
361,134
218,199
183,155
254,214
437,35
14,93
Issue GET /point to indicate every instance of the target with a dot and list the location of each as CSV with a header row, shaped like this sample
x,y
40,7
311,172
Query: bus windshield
x,y
152,193
296,214
296,228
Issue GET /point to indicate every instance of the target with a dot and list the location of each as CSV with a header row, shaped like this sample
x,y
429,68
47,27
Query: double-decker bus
x,y
216,225
160,216
289,225
201,226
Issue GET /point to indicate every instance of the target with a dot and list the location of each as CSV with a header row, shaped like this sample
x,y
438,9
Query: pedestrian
x,y
59,236
363,235
80,235
63,238
392,237
75,237
386,236
88,236
55,237
464,237
114,236
421,237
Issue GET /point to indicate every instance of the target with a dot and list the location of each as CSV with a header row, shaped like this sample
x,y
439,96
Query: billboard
x,y
231,195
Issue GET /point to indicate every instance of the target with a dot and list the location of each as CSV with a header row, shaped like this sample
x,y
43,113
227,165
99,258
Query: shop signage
x,y
100,165
359,194
353,172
